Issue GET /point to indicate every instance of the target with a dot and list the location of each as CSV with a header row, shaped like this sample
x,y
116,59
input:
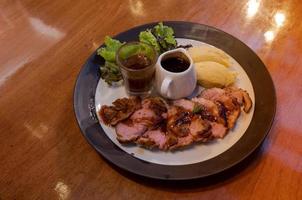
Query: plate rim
x,y
167,176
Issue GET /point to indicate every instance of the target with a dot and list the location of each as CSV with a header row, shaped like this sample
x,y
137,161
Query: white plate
x,y
105,95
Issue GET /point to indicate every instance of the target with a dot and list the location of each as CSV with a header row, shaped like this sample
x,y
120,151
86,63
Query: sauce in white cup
x,y
175,76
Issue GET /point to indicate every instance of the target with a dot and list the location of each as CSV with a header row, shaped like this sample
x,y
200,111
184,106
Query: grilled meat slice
x,y
229,110
157,138
241,96
153,138
222,114
182,142
209,110
157,104
204,108
229,107
218,130
145,125
154,124
232,117
187,127
208,104
152,112
212,94
178,121
121,109
185,104
200,129
109,115
247,101
127,131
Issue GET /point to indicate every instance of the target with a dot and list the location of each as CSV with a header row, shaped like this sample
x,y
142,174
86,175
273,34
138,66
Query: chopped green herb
x,y
197,109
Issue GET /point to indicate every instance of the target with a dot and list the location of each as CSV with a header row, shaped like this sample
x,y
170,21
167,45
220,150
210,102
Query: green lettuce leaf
x,y
110,72
165,37
109,51
161,37
148,37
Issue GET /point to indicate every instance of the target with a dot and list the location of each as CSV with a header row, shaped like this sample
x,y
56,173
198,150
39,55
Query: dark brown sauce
x,y
142,81
138,61
140,84
175,64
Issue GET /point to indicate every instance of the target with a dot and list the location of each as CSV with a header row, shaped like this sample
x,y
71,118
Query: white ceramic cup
x,y
175,85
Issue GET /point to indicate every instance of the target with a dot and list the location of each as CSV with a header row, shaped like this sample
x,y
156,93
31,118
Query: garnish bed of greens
x,y
161,37
110,72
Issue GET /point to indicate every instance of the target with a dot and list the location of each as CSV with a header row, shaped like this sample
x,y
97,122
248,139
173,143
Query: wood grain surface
x,y
43,45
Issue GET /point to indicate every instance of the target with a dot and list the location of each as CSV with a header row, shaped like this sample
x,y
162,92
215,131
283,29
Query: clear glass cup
x,y
137,63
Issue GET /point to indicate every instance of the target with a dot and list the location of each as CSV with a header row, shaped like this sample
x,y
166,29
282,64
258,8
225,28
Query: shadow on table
x,y
213,181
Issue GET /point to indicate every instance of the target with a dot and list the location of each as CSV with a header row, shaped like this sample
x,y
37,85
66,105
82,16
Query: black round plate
x,y
265,105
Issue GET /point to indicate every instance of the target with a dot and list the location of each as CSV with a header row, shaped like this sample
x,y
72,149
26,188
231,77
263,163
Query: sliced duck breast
x,y
241,96
152,123
218,130
178,121
152,112
154,138
185,104
127,131
200,129
121,109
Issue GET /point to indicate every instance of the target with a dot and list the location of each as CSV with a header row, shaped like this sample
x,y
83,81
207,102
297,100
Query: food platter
x,y
105,95
90,93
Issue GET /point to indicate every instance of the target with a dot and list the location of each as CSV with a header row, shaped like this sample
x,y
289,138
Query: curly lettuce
x,y
161,37
110,72
111,46
164,36
149,38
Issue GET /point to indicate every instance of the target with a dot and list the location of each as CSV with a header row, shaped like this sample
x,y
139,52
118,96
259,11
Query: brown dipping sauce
x,y
138,61
176,62
141,82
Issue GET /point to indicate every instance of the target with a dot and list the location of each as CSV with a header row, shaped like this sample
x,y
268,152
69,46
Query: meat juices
x,y
152,123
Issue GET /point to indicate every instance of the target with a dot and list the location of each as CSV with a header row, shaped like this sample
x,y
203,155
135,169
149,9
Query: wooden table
x,y
43,47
